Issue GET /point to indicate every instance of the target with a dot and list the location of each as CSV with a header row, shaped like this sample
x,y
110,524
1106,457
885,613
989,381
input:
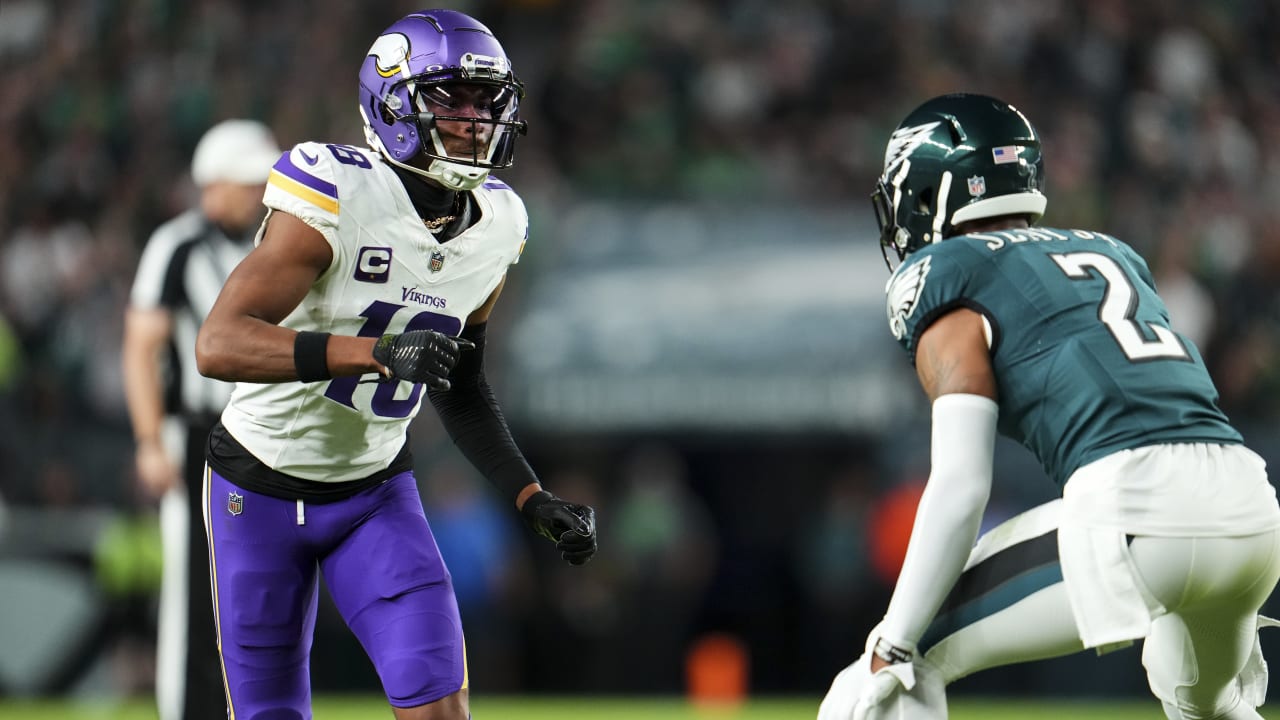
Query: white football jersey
x,y
388,275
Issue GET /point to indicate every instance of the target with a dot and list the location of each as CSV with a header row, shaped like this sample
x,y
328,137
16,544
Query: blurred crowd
x,y
1161,125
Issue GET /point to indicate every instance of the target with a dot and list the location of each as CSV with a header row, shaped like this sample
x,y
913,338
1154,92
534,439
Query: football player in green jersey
x,y
1168,529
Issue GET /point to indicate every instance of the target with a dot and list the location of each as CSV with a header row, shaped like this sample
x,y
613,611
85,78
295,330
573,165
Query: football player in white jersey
x,y
371,283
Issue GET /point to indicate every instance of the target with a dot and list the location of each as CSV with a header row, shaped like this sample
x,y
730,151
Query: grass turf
x,y
587,708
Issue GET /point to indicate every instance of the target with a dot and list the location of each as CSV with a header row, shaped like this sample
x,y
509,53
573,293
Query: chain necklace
x,y
437,224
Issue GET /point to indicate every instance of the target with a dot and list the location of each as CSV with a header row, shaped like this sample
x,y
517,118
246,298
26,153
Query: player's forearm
x,y
949,515
940,543
471,415
252,350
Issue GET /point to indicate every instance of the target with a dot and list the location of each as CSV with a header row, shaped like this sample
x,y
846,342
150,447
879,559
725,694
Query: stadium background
x,y
694,339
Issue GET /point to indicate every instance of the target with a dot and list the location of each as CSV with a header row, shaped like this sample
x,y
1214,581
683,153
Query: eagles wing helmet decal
x,y
904,141
903,294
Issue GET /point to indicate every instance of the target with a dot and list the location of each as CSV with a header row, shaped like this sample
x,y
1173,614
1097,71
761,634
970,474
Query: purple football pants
x,y
382,567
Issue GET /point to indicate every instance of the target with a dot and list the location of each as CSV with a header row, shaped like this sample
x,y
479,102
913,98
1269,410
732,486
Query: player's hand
x,y
883,685
858,694
838,703
419,356
570,526
157,473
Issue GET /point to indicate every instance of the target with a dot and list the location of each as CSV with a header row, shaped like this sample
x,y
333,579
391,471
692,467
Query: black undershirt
x,y
432,201
232,461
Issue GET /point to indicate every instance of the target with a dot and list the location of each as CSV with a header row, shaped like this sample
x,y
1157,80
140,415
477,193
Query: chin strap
x,y
452,175
455,176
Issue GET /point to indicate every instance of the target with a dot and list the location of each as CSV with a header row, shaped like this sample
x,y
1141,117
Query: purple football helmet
x,y
433,66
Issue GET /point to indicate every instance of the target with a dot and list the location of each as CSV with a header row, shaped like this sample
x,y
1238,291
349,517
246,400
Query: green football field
x,y
510,708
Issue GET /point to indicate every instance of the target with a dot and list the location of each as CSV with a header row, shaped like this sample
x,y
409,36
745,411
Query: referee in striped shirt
x,y
172,407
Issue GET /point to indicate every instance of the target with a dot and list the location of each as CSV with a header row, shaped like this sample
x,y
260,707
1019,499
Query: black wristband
x,y
310,359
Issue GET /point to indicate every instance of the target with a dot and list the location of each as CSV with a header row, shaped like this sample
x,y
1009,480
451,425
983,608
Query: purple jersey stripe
x,y
285,167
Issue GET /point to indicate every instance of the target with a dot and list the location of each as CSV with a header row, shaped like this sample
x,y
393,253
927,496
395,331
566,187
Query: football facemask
x,y
437,85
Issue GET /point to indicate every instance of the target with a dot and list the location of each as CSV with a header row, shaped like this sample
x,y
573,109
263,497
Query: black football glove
x,y
419,356
570,526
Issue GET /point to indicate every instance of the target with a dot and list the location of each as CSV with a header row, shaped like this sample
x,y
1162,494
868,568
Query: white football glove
x,y
845,690
856,694
904,691
880,696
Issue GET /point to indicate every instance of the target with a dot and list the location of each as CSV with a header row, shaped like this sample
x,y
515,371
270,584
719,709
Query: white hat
x,y
235,151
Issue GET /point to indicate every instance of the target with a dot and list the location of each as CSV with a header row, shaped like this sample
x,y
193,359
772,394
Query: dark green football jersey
x,y
1084,359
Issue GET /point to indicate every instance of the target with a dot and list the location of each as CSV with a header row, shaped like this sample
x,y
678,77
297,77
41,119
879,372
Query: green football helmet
x,y
954,159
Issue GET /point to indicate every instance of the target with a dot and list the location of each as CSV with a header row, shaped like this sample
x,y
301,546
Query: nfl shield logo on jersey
x,y
977,186
235,503
437,261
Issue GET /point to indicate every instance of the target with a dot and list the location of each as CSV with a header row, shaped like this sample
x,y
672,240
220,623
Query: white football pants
x,y
1212,589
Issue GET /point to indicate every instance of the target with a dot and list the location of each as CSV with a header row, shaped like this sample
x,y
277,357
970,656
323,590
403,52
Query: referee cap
x,y
235,151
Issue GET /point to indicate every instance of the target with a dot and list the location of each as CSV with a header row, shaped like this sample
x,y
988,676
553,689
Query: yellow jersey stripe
x,y
297,189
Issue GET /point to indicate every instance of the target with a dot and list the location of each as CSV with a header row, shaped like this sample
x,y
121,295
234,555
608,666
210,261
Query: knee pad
x,y
1249,691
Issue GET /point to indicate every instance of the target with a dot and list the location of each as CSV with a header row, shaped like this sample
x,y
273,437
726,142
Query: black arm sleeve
x,y
471,416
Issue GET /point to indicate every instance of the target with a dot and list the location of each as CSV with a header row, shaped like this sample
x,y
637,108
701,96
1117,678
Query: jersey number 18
x,y
377,319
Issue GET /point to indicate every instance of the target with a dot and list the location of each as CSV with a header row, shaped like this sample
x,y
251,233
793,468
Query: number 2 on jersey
x,y
1119,308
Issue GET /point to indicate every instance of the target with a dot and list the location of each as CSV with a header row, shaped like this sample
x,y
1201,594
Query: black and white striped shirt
x,y
182,269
